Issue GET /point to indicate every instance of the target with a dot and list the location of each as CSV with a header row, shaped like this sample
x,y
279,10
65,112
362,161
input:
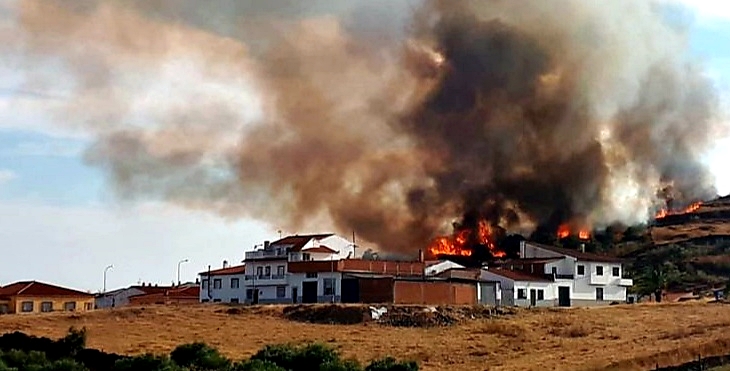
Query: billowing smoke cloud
x,y
392,120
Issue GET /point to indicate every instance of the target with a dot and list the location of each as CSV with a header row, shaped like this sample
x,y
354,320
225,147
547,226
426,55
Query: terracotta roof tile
x,y
297,242
517,276
35,288
238,269
321,249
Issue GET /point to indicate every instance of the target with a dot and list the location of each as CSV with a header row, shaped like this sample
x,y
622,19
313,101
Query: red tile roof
x,y
239,269
297,242
583,256
40,289
320,248
517,275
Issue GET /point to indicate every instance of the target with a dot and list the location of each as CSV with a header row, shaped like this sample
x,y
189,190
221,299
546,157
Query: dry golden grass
x,y
619,337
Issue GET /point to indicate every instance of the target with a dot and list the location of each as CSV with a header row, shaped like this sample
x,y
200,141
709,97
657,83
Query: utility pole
x,y
178,270
111,266
354,245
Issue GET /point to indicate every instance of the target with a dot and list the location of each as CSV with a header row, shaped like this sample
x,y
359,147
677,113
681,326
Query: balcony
x,y
626,282
265,254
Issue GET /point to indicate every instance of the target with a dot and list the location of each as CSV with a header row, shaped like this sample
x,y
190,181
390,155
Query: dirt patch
x,y
327,314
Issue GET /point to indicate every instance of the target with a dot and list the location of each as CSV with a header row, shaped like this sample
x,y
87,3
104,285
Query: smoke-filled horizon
x,y
391,119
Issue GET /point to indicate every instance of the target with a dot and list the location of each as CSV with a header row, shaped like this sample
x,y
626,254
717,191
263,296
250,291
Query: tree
x,y
655,279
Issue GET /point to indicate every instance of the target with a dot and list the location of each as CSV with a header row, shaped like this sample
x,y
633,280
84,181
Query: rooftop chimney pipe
x,y
225,264
420,256
266,245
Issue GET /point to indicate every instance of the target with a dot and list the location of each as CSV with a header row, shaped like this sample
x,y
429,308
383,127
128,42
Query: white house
x,y
554,276
223,285
267,279
522,289
120,297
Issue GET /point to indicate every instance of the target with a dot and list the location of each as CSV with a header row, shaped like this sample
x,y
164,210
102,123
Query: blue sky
x,y
61,224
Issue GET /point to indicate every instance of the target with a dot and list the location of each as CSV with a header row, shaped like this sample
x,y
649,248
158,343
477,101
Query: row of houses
x,y
322,268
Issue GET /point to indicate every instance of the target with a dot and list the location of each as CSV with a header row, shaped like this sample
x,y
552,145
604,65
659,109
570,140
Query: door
x,y
564,296
508,297
533,297
255,296
599,293
294,294
488,294
309,292
350,290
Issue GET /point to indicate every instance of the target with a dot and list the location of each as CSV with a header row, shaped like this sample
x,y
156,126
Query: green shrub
x,y
256,365
145,362
199,356
64,365
299,358
391,364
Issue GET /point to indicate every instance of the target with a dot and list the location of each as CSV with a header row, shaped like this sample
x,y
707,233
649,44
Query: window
x,y
216,300
521,294
46,306
4,309
267,271
27,306
599,270
280,291
259,271
306,256
217,283
541,294
311,275
234,300
581,270
616,272
599,293
554,270
69,306
88,306
249,294
234,283
280,270
329,286
205,284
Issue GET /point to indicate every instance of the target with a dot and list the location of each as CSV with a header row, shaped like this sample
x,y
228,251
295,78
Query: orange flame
x,y
457,244
663,213
563,231
584,234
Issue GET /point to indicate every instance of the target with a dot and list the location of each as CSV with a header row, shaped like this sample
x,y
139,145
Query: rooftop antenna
x,y
354,245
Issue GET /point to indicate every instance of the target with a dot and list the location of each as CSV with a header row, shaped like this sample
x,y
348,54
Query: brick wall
x,y
434,293
378,290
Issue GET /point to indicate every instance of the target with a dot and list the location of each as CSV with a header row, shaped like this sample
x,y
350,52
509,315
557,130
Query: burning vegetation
x,y
665,212
465,241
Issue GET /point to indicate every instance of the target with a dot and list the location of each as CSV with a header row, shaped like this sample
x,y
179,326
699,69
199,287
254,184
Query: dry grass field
x,y
630,337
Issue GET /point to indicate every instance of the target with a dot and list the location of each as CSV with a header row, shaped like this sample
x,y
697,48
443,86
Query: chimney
x,y
522,249
420,256
266,245
583,247
225,264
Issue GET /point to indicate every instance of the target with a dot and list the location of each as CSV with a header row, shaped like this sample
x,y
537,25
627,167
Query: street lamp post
x,y
111,266
178,270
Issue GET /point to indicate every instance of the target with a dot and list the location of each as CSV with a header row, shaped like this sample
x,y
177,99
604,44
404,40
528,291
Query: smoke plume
x,y
392,119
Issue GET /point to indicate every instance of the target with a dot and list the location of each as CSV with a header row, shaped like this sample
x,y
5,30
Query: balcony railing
x,y
626,282
264,254
278,276
265,277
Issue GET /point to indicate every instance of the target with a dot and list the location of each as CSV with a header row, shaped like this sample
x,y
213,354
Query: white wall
x,y
528,251
585,285
296,280
550,290
441,267
505,283
566,266
118,298
225,293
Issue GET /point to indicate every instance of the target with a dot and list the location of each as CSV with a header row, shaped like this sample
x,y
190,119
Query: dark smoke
x,y
389,123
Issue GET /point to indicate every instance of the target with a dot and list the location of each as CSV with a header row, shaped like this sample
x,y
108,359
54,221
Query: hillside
x,y
632,337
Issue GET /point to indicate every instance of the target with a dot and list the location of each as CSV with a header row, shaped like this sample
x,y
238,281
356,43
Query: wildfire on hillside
x,y
464,240
663,213
565,230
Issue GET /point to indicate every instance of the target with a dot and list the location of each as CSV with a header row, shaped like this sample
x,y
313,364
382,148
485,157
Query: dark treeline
x,y
21,352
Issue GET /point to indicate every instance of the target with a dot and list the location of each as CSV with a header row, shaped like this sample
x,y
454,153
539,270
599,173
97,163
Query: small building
x,y
223,285
181,295
522,289
121,297
38,297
